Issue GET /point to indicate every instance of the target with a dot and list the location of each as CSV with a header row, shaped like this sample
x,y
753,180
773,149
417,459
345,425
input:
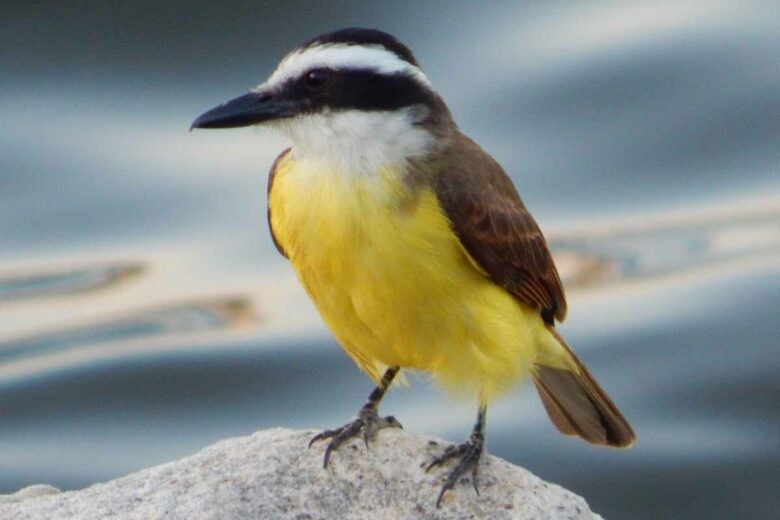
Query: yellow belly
x,y
393,283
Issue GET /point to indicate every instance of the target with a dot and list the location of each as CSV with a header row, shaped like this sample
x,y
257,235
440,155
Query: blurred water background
x,y
144,312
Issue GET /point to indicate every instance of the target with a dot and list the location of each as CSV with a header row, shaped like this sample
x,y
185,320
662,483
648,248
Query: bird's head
x,y
353,89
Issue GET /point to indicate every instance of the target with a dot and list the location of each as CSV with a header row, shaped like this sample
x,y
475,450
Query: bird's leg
x,y
367,420
468,454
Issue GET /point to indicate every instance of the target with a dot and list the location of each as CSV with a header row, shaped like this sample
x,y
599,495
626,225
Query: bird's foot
x,y
368,421
468,454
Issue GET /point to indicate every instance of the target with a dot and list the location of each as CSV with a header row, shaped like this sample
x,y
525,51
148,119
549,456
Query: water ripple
x,y
65,282
178,318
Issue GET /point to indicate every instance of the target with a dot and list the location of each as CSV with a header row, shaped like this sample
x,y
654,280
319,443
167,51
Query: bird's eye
x,y
316,79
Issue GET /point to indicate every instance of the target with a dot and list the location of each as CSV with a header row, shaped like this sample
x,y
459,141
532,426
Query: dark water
x,y
144,312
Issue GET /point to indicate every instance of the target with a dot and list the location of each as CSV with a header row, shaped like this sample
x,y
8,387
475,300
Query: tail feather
x,y
577,405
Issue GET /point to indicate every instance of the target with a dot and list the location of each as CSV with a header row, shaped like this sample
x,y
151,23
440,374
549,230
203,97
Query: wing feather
x,y
496,229
271,175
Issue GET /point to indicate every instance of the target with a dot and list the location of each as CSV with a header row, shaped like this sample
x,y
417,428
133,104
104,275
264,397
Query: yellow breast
x,y
392,281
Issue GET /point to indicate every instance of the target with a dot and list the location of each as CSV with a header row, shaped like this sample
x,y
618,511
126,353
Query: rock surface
x,y
272,475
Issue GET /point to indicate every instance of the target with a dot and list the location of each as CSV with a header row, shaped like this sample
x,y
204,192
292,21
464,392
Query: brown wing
x,y
271,176
497,230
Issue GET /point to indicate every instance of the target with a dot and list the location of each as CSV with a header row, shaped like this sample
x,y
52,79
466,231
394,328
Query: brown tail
x,y
577,405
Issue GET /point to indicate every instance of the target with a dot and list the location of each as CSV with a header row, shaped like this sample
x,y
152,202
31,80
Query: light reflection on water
x,y
145,313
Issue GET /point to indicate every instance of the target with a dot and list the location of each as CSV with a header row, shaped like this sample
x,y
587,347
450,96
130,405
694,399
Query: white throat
x,y
356,142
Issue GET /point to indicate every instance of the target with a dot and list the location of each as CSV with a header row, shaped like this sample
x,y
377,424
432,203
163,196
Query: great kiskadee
x,y
412,241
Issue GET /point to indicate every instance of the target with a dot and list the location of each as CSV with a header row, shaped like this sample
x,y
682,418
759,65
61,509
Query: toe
x,y
367,421
469,454
327,434
391,422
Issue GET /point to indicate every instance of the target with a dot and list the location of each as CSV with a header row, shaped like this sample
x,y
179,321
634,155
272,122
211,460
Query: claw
x,y
392,422
449,452
446,487
368,421
322,435
469,454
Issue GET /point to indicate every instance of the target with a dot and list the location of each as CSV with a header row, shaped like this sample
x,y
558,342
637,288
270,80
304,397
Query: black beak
x,y
249,109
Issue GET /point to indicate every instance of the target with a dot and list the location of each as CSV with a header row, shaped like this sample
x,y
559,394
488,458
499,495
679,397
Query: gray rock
x,y
272,475
34,491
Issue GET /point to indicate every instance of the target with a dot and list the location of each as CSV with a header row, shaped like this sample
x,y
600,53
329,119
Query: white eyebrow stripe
x,y
341,56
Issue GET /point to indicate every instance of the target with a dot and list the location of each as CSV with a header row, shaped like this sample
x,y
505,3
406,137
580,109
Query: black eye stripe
x,y
361,89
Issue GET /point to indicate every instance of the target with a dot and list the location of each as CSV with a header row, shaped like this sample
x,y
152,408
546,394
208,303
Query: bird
x,y
412,242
